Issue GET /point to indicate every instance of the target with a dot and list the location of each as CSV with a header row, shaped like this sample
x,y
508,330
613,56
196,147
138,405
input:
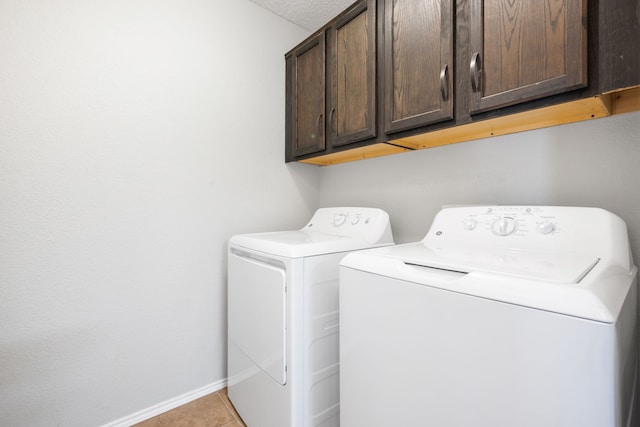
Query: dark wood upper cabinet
x,y
351,45
525,49
390,75
418,63
307,97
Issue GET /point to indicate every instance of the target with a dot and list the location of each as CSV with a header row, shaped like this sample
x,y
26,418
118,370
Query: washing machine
x,y
501,316
283,357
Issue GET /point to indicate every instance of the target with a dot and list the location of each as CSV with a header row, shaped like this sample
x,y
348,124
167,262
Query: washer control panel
x,y
506,221
544,228
519,235
547,228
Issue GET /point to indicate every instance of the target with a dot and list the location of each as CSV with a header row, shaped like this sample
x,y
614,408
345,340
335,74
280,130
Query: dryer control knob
x,y
504,226
469,224
546,227
339,219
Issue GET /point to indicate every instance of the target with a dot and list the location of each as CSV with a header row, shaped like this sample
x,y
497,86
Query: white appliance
x,y
501,316
283,357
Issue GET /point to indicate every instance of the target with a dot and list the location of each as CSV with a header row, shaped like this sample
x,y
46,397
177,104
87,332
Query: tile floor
x,y
212,410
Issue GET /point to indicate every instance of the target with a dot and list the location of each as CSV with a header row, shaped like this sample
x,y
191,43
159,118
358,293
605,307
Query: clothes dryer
x,y
501,316
283,357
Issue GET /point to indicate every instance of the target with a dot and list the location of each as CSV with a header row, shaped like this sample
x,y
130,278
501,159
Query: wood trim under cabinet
x,y
575,111
626,101
618,102
367,152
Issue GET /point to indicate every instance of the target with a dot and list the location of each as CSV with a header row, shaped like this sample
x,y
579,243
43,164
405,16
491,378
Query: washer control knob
x,y
546,227
504,226
339,219
469,224
355,220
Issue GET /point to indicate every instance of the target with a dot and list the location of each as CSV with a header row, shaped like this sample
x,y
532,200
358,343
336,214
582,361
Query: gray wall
x,y
594,163
135,139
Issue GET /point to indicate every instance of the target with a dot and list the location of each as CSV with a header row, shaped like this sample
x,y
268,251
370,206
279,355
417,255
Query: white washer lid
x,y
298,243
550,267
571,285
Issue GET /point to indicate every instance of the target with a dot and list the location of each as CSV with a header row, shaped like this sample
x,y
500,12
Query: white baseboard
x,y
168,405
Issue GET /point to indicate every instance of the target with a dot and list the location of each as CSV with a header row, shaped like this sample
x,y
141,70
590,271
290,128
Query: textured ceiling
x,y
309,14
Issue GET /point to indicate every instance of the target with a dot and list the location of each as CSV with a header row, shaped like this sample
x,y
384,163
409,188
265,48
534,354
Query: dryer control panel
x,y
370,224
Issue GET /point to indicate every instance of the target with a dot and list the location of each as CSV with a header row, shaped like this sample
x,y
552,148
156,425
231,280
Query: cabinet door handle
x,y
320,124
475,68
444,82
331,114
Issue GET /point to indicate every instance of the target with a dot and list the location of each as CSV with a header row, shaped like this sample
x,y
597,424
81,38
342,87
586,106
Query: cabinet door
x,y
525,49
352,76
308,100
418,63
